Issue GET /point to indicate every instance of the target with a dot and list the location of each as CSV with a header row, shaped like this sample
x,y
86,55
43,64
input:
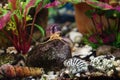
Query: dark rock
x,y
49,55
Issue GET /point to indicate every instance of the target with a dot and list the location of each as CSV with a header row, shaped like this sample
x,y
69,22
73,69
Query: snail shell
x,y
75,65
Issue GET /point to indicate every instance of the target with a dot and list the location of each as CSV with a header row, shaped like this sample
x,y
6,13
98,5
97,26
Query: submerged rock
x,y
82,52
2,51
116,53
104,63
104,50
76,37
107,50
49,55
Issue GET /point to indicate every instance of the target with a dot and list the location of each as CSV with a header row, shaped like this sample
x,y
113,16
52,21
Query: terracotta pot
x,y
83,22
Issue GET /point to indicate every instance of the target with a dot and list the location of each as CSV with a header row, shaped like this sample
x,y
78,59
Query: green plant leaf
x,y
13,4
37,2
30,3
116,14
109,13
118,38
99,11
40,29
3,12
89,13
46,2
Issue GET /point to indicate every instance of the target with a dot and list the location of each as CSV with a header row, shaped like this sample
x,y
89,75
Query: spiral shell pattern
x,y
75,65
11,71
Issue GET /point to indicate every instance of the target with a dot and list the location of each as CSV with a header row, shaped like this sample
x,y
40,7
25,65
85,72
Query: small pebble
x,y
110,73
1,51
118,69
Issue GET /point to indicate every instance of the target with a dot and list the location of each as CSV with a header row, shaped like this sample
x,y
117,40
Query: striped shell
x,y
11,71
75,65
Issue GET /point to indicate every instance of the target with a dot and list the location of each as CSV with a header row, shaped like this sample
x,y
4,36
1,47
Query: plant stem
x,y
32,27
101,23
94,24
118,26
18,38
8,36
109,27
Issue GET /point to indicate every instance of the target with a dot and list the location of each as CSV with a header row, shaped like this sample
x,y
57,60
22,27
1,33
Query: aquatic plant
x,y
53,3
106,24
14,22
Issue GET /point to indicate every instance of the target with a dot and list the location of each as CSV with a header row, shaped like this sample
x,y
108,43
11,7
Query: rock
x,y
97,74
2,51
110,73
82,52
11,50
116,53
49,76
103,63
118,69
75,36
49,55
104,50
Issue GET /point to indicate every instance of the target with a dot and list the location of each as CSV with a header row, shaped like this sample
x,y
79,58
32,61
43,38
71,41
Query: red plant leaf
x,y
117,8
29,5
38,8
107,1
108,38
13,4
4,20
26,48
93,38
99,4
53,4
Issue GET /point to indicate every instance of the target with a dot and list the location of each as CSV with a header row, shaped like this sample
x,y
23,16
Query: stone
x,y
50,55
116,53
82,52
104,50
76,37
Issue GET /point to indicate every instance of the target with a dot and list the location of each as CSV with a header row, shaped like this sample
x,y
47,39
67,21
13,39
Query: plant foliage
x,y
106,22
14,22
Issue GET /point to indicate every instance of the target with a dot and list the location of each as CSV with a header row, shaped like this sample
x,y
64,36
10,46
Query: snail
x,y
11,71
75,65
